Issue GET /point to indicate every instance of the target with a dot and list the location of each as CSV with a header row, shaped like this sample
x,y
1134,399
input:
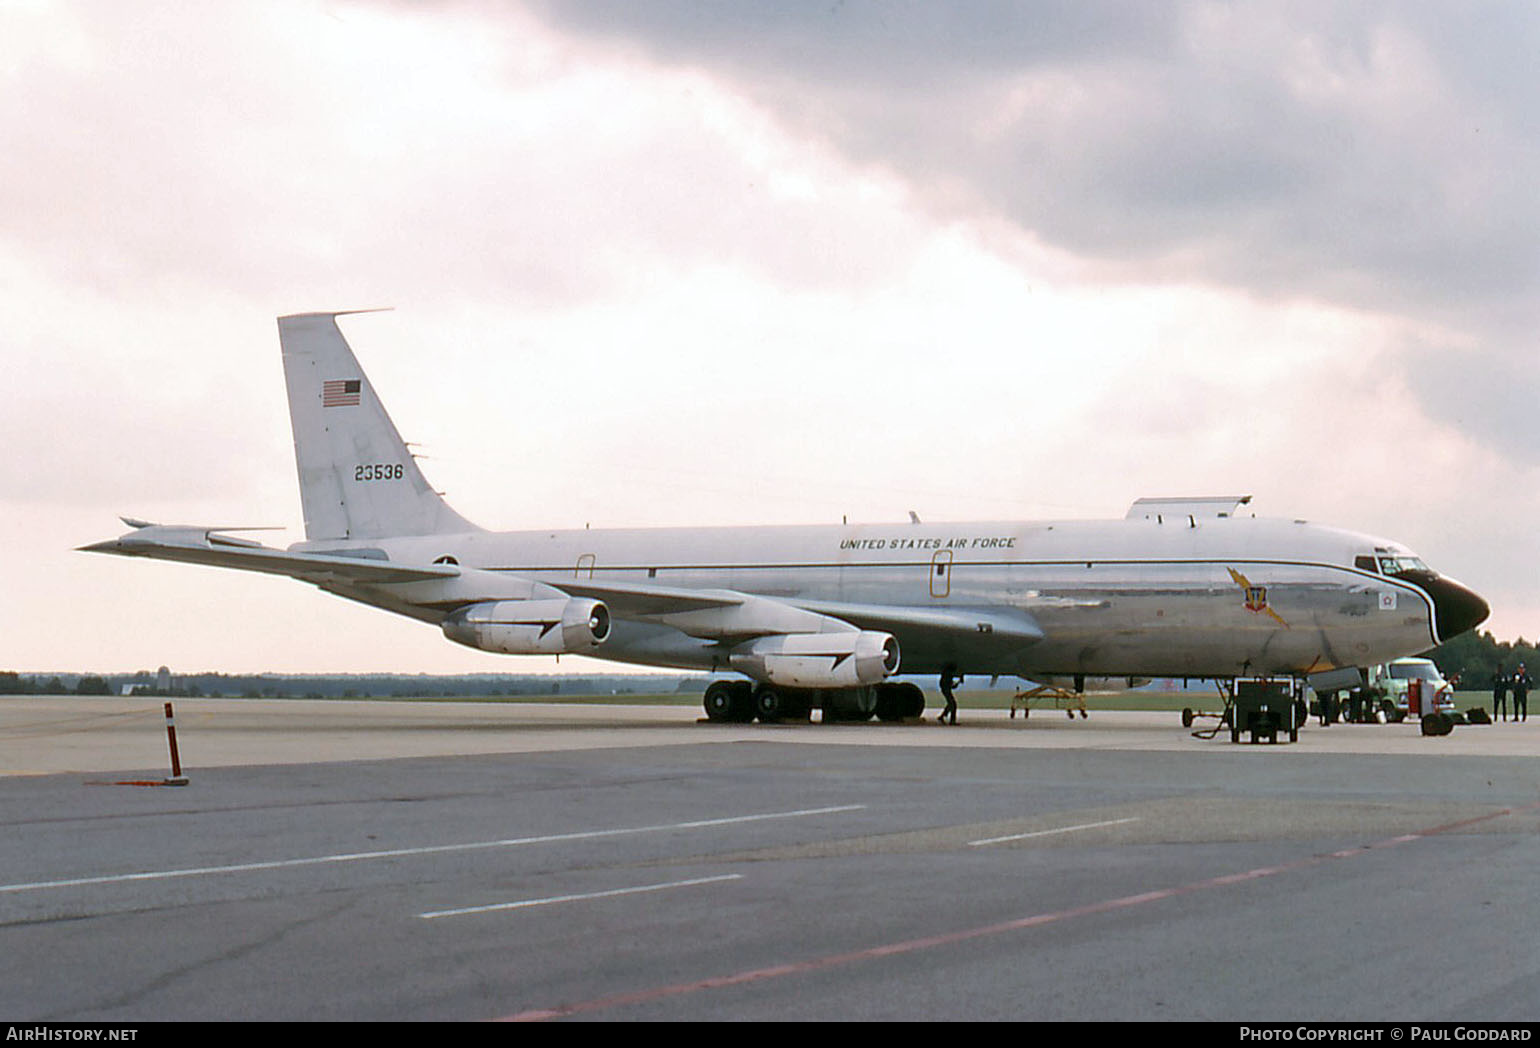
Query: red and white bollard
x,y
177,778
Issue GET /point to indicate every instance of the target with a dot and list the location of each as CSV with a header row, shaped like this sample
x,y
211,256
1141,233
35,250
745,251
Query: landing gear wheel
x,y
719,702
891,703
729,702
743,701
770,704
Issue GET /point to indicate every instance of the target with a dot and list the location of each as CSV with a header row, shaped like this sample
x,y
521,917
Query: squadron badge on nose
x,y
1256,597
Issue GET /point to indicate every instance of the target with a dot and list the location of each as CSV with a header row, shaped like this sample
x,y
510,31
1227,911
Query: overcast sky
x,y
686,263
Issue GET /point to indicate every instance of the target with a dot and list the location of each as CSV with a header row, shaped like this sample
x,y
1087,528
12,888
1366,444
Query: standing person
x,y
1500,694
1520,685
950,678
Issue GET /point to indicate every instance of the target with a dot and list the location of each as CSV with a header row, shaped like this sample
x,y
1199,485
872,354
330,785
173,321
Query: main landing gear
x,y
741,701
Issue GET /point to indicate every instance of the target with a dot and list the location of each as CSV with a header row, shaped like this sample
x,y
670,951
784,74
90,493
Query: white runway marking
x,y
552,900
438,849
1047,833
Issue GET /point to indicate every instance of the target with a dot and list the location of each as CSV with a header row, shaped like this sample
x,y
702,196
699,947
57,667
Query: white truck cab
x,y
1396,679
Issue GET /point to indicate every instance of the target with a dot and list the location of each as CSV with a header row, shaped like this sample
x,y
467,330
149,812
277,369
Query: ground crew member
x,y
1521,684
950,678
1500,694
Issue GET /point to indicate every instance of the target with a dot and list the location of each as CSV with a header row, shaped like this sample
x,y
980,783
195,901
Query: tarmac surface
x,y
460,861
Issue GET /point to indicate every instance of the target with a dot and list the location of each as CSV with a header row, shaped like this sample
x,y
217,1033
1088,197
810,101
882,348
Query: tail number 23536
x,y
379,471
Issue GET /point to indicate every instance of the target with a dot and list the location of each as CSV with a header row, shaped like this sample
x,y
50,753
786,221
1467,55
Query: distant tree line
x,y
1477,657
12,683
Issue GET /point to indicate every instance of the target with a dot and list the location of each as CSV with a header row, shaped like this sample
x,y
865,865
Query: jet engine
x,y
818,660
558,626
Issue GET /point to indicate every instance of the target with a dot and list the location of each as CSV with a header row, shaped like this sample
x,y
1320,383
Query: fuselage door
x,y
941,573
585,567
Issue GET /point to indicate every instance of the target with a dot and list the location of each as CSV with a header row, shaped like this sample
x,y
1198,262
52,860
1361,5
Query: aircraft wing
x,y
647,600
1000,624
719,614
982,635
192,544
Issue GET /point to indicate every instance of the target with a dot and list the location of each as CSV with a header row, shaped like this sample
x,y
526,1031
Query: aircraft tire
x,y
890,703
770,704
743,701
718,702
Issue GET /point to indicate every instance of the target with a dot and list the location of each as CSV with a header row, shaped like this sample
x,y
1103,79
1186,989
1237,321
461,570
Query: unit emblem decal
x,y
1256,597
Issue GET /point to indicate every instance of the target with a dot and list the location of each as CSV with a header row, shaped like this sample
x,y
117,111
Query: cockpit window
x,y
1385,563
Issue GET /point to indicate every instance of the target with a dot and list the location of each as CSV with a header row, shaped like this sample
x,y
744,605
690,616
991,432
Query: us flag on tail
x,y
341,393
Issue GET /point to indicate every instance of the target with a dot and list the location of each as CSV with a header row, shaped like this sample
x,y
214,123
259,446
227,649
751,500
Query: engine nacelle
x,y
818,660
559,626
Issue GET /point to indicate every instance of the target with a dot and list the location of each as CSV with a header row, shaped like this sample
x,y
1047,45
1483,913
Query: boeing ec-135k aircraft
x,y
826,615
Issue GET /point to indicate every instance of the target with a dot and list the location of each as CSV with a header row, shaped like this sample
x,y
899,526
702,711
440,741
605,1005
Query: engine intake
x,y
560,626
818,660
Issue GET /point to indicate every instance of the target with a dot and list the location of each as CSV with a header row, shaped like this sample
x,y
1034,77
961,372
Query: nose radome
x,y
1458,608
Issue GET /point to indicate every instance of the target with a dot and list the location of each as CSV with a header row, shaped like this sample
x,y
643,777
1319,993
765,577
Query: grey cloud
x,y
907,45
1378,156
1185,137
1493,397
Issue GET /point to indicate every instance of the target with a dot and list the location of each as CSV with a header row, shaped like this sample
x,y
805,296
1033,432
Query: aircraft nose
x,y
1458,608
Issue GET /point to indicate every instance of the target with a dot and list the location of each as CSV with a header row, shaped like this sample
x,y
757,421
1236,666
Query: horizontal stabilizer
x,y
202,545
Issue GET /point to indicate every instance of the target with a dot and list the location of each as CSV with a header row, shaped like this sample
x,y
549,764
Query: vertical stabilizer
x,y
357,480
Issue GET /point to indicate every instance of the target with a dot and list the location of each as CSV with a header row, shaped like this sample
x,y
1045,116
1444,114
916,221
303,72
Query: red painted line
x,y
964,935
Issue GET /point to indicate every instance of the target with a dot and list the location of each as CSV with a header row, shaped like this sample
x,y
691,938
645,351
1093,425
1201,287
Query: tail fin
x,y
357,480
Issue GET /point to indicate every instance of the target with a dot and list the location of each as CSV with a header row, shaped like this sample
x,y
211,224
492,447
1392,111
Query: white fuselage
x,y
1215,597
